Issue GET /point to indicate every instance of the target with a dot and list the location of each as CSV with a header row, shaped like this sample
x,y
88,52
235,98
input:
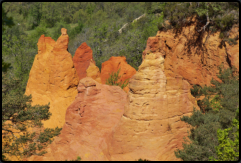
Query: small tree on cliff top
x,y
205,123
113,80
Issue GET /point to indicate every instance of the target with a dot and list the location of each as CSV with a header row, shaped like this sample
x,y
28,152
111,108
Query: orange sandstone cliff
x,y
112,65
89,123
53,78
96,128
82,59
105,123
194,55
93,71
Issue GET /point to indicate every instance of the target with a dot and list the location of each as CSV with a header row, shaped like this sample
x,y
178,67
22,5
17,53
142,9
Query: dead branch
x,y
203,28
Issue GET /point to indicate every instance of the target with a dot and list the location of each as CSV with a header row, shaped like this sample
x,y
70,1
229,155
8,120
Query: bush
x,y
228,150
78,159
214,115
143,160
114,77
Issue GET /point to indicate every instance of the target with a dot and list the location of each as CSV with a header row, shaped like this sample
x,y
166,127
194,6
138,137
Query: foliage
x,y
148,7
113,80
76,30
142,160
19,54
5,66
16,107
228,150
222,15
6,21
98,25
78,159
213,115
80,15
34,15
102,35
57,29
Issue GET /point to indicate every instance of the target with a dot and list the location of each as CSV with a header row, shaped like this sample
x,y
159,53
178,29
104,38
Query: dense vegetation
x,y
98,24
214,134
17,109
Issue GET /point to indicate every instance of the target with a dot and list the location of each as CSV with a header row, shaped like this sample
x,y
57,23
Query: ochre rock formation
x,y
81,59
194,55
89,123
105,123
150,127
112,66
93,71
53,78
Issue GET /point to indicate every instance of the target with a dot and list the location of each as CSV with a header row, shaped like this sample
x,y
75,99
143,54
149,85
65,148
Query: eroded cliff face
x,y
82,58
96,128
112,65
194,55
93,71
150,127
53,78
105,123
89,123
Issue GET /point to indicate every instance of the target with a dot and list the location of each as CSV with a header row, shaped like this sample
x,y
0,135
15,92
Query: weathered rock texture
x,y
194,56
89,123
112,66
150,127
82,59
93,71
53,78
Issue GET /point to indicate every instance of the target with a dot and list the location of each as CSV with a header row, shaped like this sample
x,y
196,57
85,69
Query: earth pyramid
x,y
53,78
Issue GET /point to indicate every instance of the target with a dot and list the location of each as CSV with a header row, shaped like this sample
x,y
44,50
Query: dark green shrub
x,y
143,160
206,122
78,159
228,150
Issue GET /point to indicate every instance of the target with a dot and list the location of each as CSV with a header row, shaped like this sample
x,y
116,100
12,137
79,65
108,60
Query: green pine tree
x,y
203,140
17,109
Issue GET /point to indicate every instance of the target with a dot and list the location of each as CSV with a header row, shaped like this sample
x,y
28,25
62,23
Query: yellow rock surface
x,y
53,78
93,71
150,127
